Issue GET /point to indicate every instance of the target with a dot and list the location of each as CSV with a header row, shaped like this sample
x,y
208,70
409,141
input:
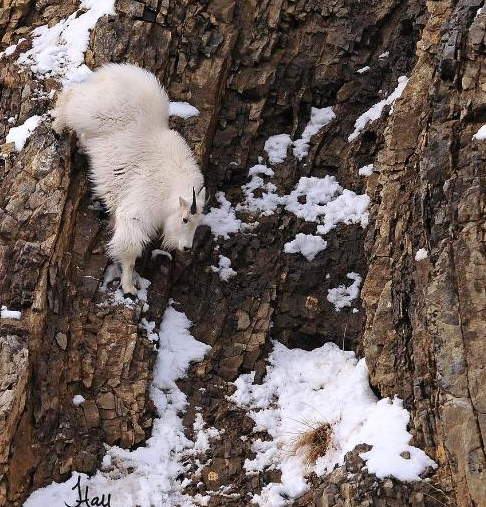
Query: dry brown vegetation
x,y
315,442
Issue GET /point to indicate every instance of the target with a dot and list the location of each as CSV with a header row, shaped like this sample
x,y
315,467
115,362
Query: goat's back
x,y
115,97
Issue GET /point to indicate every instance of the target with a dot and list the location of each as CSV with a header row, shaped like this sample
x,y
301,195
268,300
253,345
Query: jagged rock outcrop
x,y
426,318
254,69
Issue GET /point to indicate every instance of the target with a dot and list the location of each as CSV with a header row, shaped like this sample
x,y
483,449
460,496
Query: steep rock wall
x,y
254,69
426,319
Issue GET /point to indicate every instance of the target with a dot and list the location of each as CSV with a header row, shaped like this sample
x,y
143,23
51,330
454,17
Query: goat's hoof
x,y
129,291
136,280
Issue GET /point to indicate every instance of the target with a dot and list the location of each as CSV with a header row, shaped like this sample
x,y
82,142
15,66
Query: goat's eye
x,y
185,220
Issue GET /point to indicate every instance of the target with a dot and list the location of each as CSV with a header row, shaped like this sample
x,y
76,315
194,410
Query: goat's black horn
x,y
193,205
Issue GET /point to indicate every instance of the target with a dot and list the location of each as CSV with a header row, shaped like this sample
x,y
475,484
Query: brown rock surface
x,y
254,69
427,318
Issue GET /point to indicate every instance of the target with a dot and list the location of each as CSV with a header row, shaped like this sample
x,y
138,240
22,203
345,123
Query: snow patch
x,y
320,200
5,313
11,49
480,135
224,269
421,254
306,244
319,119
269,200
363,70
203,434
78,399
342,296
310,195
106,462
148,476
348,208
325,385
19,135
222,220
366,170
276,147
375,111
182,109
58,51
149,327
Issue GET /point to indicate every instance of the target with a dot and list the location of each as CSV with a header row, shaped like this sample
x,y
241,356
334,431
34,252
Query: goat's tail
x,y
59,112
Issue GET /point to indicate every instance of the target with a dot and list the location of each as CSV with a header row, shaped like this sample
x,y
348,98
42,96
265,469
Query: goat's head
x,y
180,228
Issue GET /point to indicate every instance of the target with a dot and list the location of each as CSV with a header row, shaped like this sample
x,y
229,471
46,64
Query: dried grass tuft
x,y
315,442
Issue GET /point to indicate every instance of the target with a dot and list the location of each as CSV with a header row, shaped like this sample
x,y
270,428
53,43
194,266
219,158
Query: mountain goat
x,y
144,173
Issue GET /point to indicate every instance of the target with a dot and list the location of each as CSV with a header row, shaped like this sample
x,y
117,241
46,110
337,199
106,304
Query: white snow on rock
x,y
348,208
310,195
386,54
203,434
224,269
11,49
366,170
58,51
106,462
343,296
375,111
260,169
363,69
5,313
480,135
421,254
149,327
267,203
222,220
78,399
303,389
306,244
182,109
320,200
276,147
319,119
19,135
149,476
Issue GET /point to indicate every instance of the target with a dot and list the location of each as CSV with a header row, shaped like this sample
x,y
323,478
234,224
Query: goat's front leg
x,y
126,245
127,266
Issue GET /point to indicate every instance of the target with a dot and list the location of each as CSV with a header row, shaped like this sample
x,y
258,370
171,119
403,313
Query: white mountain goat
x,y
144,173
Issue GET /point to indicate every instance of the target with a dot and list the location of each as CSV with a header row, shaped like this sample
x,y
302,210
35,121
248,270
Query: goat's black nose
x,y
187,248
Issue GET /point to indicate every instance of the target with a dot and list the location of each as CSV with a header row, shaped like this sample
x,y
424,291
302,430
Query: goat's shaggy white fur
x,y
142,171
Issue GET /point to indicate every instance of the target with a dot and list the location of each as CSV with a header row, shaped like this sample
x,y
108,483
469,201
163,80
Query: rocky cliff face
x,y
254,69
426,319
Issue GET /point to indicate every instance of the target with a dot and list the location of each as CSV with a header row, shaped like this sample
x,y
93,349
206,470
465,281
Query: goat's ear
x,y
183,202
